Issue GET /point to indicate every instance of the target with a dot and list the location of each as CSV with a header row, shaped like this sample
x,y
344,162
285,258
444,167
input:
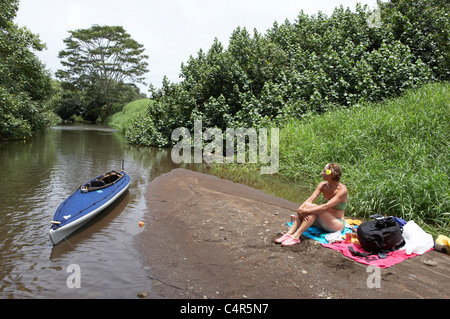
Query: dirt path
x,y
204,236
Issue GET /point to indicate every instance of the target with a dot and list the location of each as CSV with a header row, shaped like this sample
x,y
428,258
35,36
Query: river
x,y
37,174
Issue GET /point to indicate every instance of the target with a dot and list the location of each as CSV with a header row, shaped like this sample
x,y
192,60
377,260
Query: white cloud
x,y
74,20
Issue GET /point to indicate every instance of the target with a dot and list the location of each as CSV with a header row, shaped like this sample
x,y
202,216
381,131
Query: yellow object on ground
x,y
353,222
442,244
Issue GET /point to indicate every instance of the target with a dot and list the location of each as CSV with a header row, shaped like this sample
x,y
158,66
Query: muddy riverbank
x,y
205,237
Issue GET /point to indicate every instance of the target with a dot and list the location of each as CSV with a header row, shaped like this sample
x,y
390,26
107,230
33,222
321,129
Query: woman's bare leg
x,y
328,222
304,226
298,221
295,225
325,220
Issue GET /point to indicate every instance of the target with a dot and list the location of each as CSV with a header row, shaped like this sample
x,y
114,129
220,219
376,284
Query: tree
x,y
314,64
25,84
424,26
99,59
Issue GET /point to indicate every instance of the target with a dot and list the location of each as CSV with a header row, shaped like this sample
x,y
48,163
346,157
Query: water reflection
x,y
39,173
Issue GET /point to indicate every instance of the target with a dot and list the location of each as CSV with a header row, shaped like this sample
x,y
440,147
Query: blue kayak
x,y
87,202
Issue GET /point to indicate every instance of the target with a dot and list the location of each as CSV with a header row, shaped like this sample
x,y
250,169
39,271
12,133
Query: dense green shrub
x,y
394,157
394,154
141,131
128,113
25,85
316,63
424,26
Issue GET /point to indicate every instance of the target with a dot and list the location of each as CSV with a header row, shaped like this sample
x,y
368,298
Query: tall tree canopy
x,y
101,59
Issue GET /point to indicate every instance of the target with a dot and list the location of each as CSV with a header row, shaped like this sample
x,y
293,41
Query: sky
x,y
170,30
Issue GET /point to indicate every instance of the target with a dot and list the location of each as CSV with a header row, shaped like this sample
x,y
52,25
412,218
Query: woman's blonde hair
x,y
336,169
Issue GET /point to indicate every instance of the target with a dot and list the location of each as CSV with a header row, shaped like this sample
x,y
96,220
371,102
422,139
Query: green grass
x,y
129,112
394,155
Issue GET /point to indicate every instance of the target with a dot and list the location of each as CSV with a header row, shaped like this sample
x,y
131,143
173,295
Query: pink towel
x,y
393,257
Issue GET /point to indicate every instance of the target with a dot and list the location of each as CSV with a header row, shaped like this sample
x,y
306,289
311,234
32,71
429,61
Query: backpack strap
x,y
381,254
358,253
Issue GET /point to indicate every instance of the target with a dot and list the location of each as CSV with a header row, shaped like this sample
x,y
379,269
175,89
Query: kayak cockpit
x,y
102,181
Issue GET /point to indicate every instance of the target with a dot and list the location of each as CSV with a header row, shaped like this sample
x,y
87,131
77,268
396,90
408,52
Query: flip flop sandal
x,y
282,238
290,242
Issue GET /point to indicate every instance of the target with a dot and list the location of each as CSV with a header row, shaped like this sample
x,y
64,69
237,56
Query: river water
x,y
36,175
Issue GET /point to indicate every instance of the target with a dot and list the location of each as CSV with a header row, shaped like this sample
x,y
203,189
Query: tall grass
x,y
129,112
394,155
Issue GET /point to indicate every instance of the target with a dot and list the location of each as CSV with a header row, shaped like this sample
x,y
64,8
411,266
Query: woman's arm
x,y
314,195
317,209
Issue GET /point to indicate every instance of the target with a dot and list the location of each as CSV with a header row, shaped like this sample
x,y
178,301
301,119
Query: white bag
x,y
333,237
417,241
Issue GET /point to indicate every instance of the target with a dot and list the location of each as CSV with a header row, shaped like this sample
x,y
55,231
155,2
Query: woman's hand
x,y
304,216
306,208
303,213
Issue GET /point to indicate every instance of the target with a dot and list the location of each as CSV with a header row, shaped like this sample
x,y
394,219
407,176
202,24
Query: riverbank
x,y
205,237
391,154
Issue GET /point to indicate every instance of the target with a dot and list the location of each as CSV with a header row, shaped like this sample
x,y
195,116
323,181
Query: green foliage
x,y
71,103
128,113
424,26
100,62
315,64
394,155
141,131
12,124
25,85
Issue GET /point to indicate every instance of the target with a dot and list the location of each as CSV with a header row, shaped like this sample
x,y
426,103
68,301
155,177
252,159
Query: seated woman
x,y
327,216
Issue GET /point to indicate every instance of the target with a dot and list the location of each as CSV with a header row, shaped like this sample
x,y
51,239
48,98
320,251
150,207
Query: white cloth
x,y
332,237
416,239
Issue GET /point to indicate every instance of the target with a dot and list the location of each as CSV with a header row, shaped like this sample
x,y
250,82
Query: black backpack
x,y
380,235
